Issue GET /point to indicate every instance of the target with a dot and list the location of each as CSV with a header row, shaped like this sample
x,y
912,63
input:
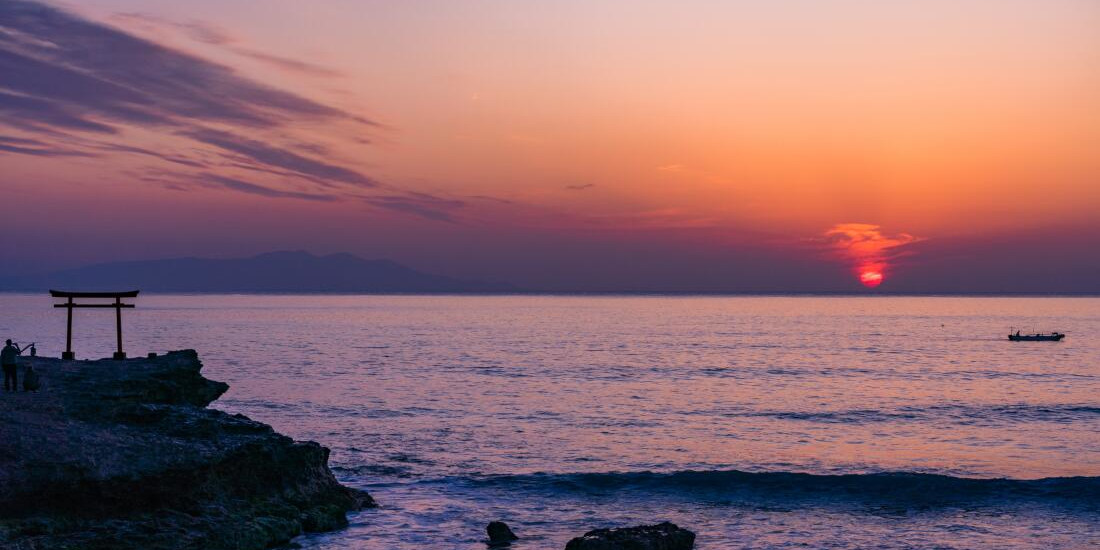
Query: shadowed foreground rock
x,y
663,536
125,454
500,534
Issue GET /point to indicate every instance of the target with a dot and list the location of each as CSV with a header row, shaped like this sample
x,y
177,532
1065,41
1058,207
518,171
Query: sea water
x,y
757,422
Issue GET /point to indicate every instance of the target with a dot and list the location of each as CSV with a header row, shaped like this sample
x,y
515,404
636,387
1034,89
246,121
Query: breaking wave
x,y
897,488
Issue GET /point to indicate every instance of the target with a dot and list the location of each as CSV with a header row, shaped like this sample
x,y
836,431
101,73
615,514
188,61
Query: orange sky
x,y
744,122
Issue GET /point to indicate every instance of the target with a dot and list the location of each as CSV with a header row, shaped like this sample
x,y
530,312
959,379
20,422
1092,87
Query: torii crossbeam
x,y
69,304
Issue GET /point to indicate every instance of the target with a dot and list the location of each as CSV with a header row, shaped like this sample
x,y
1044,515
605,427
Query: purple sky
x,y
568,146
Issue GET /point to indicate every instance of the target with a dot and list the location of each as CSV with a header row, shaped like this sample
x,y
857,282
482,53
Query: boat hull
x,y
1036,337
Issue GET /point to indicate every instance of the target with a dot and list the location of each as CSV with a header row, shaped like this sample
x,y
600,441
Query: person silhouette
x,y
7,360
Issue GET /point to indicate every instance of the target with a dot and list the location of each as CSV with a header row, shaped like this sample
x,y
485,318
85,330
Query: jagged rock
x,y
124,454
663,536
500,534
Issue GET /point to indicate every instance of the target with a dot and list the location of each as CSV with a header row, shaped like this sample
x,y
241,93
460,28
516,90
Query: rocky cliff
x,y
125,454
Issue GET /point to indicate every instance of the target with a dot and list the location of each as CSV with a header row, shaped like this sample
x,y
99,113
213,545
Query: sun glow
x,y
869,250
870,277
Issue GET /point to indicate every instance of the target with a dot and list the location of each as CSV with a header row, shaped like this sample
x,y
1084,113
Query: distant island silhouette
x,y
287,271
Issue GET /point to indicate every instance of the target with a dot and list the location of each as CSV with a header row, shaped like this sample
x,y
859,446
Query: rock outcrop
x,y
499,534
125,454
663,536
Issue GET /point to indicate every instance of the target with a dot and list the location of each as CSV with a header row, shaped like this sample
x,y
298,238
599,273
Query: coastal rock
x,y
500,534
663,536
125,454
30,379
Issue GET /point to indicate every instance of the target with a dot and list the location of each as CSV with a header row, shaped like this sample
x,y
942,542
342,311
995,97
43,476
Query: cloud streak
x,y
419,204
37,148
255,189
277,157
59,69
206,33
869,251
36,115
100,71
175,159
66,81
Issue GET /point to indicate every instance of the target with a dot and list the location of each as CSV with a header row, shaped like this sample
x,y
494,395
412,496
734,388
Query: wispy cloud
x,y
488,198
256,189
419,204
274,156
669,218
287,64
100,71
37,148
96,72
175,159
64,80
208,33
580,187
68,83
869,251
31,114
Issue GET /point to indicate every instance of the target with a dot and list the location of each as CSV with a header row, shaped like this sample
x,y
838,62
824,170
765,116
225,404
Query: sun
x,y
870,277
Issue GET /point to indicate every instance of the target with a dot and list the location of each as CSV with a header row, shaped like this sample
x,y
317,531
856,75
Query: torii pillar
x,y
69,304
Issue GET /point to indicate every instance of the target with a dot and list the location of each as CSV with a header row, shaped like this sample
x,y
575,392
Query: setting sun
x,y
869,250
870,278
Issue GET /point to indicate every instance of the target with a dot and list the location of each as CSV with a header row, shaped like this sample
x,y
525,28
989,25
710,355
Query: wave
x,y
966,414
890,488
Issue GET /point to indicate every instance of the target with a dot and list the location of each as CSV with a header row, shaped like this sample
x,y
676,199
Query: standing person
x,y
7,359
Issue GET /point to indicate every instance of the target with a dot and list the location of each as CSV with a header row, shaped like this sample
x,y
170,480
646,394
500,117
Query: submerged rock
x,y
500,534
125,454
663,536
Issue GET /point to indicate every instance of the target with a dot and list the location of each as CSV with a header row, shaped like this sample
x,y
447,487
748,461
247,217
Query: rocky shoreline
x,y
125,454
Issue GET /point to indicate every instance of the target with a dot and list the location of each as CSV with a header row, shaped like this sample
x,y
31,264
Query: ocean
x,y
757,422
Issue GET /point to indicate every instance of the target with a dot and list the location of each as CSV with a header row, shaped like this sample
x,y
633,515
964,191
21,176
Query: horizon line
x,y
613,293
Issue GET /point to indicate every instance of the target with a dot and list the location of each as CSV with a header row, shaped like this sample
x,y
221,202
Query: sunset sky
x,y
789,145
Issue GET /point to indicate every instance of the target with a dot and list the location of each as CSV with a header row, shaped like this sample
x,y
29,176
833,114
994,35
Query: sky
x,y
718,146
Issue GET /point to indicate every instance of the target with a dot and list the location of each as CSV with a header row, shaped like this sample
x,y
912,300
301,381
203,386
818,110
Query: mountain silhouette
x,y
271,272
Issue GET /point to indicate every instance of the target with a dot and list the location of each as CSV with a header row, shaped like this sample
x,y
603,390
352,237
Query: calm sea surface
x,y
758,422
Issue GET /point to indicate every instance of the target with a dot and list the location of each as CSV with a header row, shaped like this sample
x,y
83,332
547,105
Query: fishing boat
x,y
1037,337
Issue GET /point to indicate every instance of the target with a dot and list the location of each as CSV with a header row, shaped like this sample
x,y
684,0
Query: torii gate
x,y
69,304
